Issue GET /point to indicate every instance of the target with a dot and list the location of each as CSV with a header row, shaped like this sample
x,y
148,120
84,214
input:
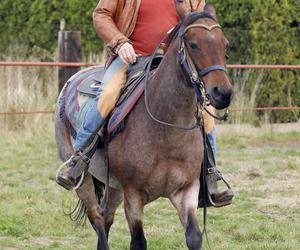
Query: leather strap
x,y
209,69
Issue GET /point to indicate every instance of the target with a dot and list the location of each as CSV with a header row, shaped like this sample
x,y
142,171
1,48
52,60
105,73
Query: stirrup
x,y
225,202
62,166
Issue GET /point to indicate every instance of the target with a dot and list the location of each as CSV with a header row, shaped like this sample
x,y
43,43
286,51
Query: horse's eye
x,y
193,45
226,56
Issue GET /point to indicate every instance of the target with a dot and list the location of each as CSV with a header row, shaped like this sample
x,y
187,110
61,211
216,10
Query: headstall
x,y
195,76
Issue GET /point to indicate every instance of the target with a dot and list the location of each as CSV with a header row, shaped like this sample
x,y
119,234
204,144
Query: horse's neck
x,y
169,98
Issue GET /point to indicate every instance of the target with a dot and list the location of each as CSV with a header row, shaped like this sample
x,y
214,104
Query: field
x,y
263,165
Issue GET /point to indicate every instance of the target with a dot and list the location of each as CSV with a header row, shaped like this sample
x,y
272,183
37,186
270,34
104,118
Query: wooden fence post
x,y
69,51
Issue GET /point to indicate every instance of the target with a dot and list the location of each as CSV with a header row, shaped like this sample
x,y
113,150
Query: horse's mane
x,y
189,19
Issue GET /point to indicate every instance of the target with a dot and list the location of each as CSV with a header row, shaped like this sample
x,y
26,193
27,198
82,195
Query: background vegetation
x,y
259,31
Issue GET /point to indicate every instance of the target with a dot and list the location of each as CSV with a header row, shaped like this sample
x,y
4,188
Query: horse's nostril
x,y
217,92
221,93
221,97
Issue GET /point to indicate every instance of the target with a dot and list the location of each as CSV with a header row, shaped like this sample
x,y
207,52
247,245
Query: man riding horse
x,y
131,30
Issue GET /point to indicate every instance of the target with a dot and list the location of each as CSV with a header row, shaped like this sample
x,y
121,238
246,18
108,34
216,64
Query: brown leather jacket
x,y
114,20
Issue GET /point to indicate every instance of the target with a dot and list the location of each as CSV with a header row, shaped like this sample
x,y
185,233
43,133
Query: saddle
x,y
130,93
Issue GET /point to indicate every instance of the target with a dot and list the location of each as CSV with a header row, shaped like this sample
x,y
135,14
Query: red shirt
x,y
155,19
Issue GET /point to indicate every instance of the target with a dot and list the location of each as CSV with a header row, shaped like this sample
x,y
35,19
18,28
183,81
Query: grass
x,y
263,166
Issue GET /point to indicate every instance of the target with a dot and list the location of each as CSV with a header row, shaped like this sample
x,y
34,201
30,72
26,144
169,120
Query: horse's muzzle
x,y
220,97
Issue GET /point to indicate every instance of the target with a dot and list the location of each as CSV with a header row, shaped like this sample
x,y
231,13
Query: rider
x,y
130,29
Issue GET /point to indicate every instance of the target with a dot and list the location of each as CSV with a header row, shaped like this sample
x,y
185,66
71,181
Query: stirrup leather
x,y
210,176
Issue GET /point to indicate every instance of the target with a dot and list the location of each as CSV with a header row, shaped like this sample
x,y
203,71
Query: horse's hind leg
x,y
134,209
86,193
186,201
115,198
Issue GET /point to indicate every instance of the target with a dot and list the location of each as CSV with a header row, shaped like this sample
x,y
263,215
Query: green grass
x,y
263,168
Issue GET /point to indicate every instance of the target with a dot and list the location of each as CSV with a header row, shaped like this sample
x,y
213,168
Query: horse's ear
x,y
182,9
210,9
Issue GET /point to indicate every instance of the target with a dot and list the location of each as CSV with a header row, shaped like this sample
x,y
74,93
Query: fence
x,y
62,65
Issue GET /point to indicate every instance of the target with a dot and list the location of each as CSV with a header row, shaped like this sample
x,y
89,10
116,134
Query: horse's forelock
x,y
194,16
191,18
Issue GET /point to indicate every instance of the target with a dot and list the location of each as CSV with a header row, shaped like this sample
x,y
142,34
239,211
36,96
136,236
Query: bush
x,y
266,32
36,23
259,31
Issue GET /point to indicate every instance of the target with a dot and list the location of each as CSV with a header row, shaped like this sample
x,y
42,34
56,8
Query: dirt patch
x,y
248,171
280,201
248,129
46,241
276,212
283,190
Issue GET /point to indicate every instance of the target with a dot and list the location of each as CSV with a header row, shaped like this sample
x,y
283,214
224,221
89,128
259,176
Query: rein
x,y
196,125
195,78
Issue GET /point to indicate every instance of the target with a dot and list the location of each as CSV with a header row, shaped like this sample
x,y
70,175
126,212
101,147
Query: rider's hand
x,y
127,53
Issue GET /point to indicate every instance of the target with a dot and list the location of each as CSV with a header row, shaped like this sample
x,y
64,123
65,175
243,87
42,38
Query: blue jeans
x,y
212,137
113,80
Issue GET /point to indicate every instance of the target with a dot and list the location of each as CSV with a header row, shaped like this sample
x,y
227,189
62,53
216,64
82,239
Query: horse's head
x,y
203,55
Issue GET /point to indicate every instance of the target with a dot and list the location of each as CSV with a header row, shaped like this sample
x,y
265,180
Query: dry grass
x,y
241,79
26,89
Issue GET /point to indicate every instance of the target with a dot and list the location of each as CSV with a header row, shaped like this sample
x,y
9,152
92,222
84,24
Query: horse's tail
x,y
63,134
65,148
62,128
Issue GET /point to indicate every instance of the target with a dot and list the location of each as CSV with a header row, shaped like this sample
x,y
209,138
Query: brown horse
x,y
151,160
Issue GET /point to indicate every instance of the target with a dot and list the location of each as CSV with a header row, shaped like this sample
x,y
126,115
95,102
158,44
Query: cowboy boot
x,y
77,164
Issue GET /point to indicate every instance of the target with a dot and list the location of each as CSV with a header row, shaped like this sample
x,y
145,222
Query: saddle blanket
x,y
81,90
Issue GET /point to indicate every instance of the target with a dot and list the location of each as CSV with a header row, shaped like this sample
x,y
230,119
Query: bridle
x,y
186,61
194,77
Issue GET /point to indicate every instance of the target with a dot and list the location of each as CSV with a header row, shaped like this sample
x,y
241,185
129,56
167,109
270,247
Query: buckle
x,y
211,170
195,77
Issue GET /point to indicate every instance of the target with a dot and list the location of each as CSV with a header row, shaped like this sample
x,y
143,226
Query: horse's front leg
x,y
186,202
134,203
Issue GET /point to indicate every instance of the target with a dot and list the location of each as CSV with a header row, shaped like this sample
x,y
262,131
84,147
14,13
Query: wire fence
x,y
72,64
230,109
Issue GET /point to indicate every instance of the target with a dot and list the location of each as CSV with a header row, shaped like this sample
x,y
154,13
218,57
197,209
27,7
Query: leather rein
x,y
194,77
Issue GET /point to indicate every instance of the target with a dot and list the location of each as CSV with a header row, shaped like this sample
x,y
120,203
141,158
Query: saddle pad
x,y
80,96
76,104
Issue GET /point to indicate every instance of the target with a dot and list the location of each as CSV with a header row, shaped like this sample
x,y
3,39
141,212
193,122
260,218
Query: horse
x,y
149,159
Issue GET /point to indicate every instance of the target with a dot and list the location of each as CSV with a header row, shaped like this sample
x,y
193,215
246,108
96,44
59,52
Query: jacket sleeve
x,y
105,26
